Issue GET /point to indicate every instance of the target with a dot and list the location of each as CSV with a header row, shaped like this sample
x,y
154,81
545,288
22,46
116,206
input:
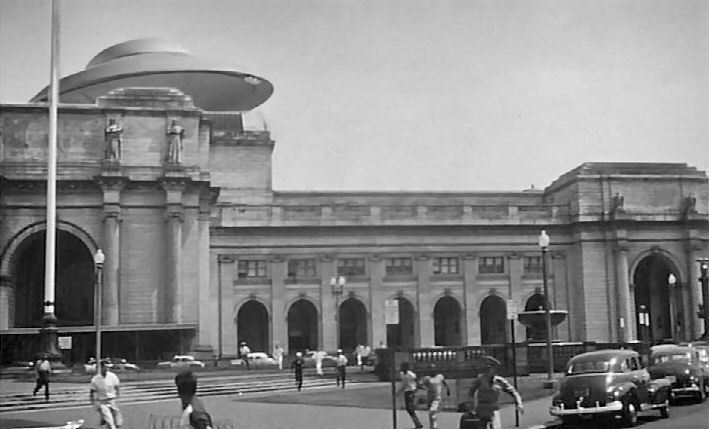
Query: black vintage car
x,y
683,367
609,385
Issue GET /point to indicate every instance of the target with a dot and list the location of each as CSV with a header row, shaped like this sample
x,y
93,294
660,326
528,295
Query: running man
x,y
104,394
341,362
434,391
488,386
408,386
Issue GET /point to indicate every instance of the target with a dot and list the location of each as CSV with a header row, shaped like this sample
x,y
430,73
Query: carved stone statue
x,y
690,204
112,136
175,134
617,203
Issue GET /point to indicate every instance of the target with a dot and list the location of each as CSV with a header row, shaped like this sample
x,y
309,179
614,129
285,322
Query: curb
x,y
546,425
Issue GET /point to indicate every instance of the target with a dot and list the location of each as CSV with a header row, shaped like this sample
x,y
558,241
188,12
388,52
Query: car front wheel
x,y
630,414
665,411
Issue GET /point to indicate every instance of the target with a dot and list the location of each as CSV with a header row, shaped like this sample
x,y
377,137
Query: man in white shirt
x,y
244,351
341,361
104,394
278,356
409,386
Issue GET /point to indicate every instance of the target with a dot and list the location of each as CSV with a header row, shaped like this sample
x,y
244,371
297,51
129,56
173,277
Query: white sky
x,y
420,94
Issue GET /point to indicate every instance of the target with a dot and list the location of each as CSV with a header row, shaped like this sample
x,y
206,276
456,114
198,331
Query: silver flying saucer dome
x,y
157,63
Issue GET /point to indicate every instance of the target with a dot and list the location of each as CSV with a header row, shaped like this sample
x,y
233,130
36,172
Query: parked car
x,y
683,367
115,364
18,368
256,360
328,360
609,384
181,361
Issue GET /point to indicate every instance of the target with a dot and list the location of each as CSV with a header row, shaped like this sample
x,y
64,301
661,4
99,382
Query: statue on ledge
x,y
175,134
617,203
112,136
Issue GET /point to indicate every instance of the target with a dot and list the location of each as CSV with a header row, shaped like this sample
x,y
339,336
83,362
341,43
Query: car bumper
x,y
612,407
681,391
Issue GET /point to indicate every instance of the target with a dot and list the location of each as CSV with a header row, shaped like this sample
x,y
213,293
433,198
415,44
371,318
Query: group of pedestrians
x,y
299,362
484,390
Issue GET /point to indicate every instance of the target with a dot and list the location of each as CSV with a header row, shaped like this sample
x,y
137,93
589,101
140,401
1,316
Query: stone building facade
x,y
203,253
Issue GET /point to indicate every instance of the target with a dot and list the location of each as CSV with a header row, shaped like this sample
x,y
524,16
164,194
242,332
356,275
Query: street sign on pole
x,y
64,343
391,311
511,310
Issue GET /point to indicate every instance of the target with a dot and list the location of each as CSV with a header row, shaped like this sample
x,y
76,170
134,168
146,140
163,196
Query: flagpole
x,y
48,332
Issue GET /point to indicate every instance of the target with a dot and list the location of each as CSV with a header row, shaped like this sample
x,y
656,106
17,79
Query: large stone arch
x,y
493,317
353,324
664,303
303,321
252,324
448,321
22,266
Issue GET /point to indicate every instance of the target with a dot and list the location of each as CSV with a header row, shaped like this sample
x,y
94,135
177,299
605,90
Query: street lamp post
x,y
704,280
672,282
98,265
337,286
544,244
644,319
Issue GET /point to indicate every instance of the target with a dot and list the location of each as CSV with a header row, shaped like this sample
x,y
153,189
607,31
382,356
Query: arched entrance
x,y
252,326
446,322
652,290
74,281
353,324
536,332
401,336
493,314
302,326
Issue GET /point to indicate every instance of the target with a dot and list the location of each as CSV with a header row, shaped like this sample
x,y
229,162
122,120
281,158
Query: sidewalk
x,y
252,415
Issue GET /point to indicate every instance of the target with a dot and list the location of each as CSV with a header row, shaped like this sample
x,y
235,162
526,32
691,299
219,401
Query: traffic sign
x,y
391,311
511,310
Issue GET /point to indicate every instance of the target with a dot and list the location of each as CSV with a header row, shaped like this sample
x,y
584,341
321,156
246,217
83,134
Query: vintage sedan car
x,y
683,367
256,360
329,359
114,364
608,384
181,361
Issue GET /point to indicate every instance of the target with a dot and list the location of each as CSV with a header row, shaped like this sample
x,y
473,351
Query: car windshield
x,y
670,357
598,365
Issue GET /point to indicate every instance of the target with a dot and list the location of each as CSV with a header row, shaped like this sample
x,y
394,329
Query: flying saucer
x,y
156,63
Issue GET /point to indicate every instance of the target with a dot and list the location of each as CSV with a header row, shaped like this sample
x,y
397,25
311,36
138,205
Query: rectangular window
x,y
445,265
301,268
491,265
251,268
399,266
352,267
533,264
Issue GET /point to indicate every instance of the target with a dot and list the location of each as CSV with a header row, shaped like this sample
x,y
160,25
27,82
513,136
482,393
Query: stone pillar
x,y
561,295
206,335
377,296
328,320
471,294
516,294
625,309
693,251
226,337
7,304
111,185
111,248
174,188
423,302
173,287
279,313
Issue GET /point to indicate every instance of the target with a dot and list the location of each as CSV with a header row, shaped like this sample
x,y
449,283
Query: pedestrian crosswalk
x,y
145,391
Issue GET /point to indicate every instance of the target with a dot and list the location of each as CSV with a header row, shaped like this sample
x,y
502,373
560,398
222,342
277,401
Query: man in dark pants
x,y
341,368
409,386
298,365
193,412
43,368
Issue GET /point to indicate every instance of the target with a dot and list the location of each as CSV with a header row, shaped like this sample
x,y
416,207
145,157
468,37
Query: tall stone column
x,y
625,309
278,306
112,186
111,266
7,304
693,251
471,294
328,319
206,335
226,336
174,188
517,294
425,309
377,296
561,293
